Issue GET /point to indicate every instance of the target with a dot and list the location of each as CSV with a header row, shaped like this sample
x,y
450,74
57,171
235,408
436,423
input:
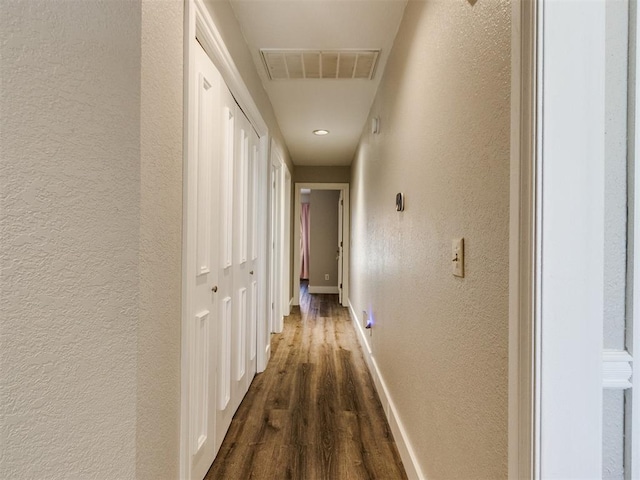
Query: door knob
x,y
214,289
251,272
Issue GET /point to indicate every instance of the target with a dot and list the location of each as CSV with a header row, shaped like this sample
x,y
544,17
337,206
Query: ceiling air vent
x,y
316,64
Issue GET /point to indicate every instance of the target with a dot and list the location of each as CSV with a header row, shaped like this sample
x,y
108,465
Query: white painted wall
x,y
70,213
90,248
440,342
323,238
159,332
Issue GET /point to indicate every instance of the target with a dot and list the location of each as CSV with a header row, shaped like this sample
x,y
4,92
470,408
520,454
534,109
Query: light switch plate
x,y
457,257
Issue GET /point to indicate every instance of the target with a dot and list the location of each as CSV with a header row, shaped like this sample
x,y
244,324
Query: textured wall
x,y
159,328
440,341
323,238
69,183
322,174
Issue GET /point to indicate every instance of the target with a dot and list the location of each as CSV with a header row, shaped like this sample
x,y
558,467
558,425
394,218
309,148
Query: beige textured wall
x,y
70,238
159,324
322,174
440,341
227,23
323,238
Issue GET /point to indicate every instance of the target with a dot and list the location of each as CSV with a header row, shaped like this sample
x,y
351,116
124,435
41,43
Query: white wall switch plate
x,y
457,257
326,276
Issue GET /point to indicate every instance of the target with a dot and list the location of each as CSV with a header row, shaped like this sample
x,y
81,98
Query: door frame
x,y
286,248
526,382
199,25
279,238
346,236
524,246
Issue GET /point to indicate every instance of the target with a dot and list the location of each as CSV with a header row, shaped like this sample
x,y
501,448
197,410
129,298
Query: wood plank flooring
x,y
314,413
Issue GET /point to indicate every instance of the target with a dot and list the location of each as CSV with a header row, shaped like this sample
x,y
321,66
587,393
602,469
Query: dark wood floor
x,y
314,413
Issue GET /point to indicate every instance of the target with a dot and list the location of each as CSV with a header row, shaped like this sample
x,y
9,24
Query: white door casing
x,y
339,242
277,239
286,243
558,366
344,275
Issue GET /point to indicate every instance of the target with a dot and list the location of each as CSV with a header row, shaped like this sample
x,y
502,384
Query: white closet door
x,y
254,280
203,181
228,298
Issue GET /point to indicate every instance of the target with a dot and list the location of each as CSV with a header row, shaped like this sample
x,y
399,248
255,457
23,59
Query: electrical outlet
x,y
326,276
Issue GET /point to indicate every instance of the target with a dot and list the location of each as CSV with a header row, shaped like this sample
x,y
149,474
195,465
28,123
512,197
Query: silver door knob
x,y
214,289
251,272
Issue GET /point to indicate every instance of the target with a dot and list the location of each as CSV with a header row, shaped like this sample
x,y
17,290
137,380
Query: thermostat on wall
x,y
400,202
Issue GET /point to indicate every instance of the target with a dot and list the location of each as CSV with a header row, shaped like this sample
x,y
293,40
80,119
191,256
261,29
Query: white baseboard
x,y
328,290
407,454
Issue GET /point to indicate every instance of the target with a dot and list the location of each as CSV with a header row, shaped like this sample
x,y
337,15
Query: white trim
x,y
616,369
286,242
263,334
523,246
407,454
632,414
330,290
277,238
571,297
346,235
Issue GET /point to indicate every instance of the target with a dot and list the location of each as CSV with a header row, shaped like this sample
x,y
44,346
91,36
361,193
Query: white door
x,y
227,303
203,223
243,268
339,247
254,280
276,246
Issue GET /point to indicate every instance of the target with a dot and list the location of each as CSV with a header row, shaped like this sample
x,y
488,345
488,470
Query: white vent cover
x,y
315,64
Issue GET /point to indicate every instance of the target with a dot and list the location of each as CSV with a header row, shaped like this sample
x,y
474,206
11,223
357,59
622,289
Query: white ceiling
x,y
301,106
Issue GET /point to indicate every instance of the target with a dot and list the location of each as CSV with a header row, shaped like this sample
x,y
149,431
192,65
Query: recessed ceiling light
x,y
321,132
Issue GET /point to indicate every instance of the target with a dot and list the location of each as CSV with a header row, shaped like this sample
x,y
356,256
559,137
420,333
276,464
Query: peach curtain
x,y
304,242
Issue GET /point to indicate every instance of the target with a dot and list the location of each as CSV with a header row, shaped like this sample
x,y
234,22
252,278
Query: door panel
x,y
228,151
203,271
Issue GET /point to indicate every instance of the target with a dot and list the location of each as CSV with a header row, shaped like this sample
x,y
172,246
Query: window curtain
x,y
304,242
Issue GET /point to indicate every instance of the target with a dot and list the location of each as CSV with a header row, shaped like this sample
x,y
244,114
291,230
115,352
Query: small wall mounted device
x,y
400,202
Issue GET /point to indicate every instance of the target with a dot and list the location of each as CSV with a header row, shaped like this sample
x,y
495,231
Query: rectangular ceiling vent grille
x,y
320,64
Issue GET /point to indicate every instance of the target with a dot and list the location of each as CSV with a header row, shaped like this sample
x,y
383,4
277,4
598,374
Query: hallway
x,y
314,413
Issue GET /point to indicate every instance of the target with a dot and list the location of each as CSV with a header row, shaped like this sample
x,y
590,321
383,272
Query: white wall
x,y
323,238
70,213
439,341
91,179
159,324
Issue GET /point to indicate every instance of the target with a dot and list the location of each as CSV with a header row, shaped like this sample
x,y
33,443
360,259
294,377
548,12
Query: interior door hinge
x,y
340,286
340,243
